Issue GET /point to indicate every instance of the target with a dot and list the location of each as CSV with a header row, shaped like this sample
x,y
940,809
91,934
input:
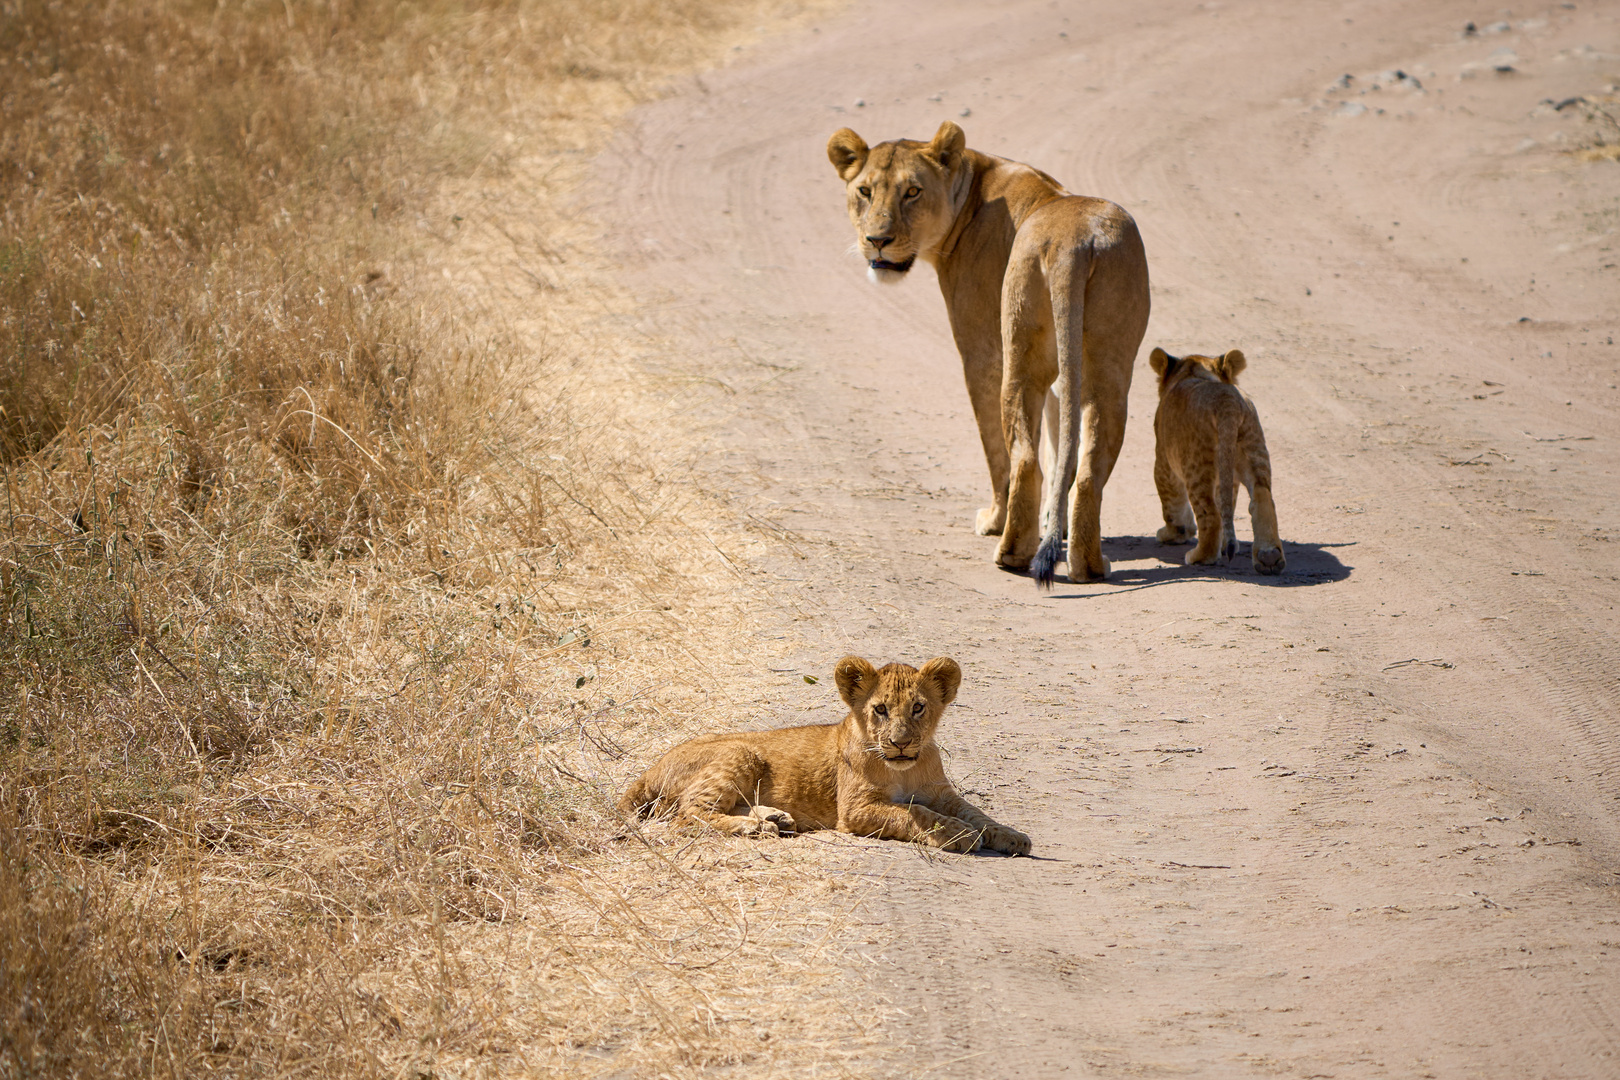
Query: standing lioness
x,y
878,773
1041,286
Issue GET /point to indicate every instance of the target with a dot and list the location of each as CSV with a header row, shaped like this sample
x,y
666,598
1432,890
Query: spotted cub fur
x,y
1209,441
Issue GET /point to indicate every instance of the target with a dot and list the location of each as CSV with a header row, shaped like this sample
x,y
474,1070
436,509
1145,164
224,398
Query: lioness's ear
x,y
856,680
948,144
847,151
946,676
1232,363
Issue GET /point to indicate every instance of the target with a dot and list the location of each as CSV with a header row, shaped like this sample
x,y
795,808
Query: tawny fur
x,y
1046,291
878,773
1209,441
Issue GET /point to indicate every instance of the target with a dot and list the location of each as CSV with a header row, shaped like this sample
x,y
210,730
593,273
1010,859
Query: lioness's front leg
x,y
913,822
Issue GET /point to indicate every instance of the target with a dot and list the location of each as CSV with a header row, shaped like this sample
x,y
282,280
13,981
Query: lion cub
x,y
877,773
1209,441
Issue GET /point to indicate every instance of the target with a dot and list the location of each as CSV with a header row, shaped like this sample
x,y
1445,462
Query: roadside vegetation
x,y
330,599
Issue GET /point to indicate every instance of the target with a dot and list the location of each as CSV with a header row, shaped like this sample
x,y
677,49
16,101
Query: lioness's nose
x,y
879,241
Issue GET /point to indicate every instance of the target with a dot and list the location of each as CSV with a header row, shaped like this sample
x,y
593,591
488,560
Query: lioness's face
x,y
896,707
903,196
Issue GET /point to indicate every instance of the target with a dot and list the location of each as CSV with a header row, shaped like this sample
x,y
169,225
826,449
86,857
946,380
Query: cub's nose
x,y
879,242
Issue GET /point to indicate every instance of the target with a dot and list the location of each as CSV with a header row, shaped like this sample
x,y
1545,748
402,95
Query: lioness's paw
x,y
1268,560
990,520
1083,575
1174,534
1005,840
780,818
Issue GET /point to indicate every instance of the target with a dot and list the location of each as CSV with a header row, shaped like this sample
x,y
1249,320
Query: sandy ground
x,y
1360,821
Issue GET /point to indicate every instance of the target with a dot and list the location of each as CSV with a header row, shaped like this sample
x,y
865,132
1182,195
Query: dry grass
x,y
322,632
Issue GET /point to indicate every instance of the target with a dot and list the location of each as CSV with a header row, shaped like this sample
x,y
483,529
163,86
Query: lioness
x,y
1041,286
1209,441
878,773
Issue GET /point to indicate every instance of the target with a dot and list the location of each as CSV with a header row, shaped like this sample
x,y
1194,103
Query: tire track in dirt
x,y
1271,846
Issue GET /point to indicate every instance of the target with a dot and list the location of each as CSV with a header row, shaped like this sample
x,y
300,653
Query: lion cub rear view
x,y
878,773
1209,441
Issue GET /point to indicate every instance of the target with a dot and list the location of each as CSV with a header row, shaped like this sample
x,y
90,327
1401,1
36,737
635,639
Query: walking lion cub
x,y
1209,441
878,773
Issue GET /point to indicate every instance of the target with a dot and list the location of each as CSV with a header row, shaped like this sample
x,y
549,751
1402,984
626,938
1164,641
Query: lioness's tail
x,y
1068,282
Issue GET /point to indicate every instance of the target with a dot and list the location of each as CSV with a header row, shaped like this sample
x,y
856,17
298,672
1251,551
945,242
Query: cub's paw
x,y
957,836
1268,560
756,828
780,819
990,520
1174,534
1201,556
1005,840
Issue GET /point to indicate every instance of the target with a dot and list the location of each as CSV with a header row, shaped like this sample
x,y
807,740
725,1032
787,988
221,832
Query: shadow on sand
x,y
1308,564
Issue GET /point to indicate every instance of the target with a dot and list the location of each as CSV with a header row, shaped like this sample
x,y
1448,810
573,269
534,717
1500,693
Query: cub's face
x,y
903,196
896,708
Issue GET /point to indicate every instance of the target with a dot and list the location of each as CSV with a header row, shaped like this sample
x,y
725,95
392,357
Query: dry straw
x,y
331,612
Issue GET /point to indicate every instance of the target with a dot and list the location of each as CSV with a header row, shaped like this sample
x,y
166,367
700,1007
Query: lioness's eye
x,y
913,191
916,710
881,710
866,192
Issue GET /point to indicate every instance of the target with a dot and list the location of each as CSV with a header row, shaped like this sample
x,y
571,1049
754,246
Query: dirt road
x,y
1360,821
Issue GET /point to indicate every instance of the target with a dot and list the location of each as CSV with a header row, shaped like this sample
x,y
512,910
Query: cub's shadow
x,y
1308,564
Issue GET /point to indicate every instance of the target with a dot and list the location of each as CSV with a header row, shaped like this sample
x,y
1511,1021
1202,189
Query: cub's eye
x,y
916,710
913,191
865,192
881,710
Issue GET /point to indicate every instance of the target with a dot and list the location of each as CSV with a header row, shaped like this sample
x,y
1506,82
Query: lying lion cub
x,y
1210,441
878,773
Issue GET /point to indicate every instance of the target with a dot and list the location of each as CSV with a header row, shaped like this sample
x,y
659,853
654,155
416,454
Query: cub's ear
x,y
945,676
856,680
847,151
1232,363
948,145
1162,363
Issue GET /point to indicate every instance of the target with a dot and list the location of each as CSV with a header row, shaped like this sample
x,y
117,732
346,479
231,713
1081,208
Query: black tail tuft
x,y
1043,568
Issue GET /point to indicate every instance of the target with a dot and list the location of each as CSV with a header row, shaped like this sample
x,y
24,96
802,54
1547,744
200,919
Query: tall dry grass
x,y
322,630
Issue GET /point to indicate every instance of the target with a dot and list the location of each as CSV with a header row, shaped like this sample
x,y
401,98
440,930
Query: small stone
x,y
965,111
860,103
936,97
1350,108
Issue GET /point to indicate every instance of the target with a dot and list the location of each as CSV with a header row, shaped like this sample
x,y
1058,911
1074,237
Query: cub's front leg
x,y
911,822
995,836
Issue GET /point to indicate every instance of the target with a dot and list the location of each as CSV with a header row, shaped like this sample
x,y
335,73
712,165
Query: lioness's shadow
x,y
1308,564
